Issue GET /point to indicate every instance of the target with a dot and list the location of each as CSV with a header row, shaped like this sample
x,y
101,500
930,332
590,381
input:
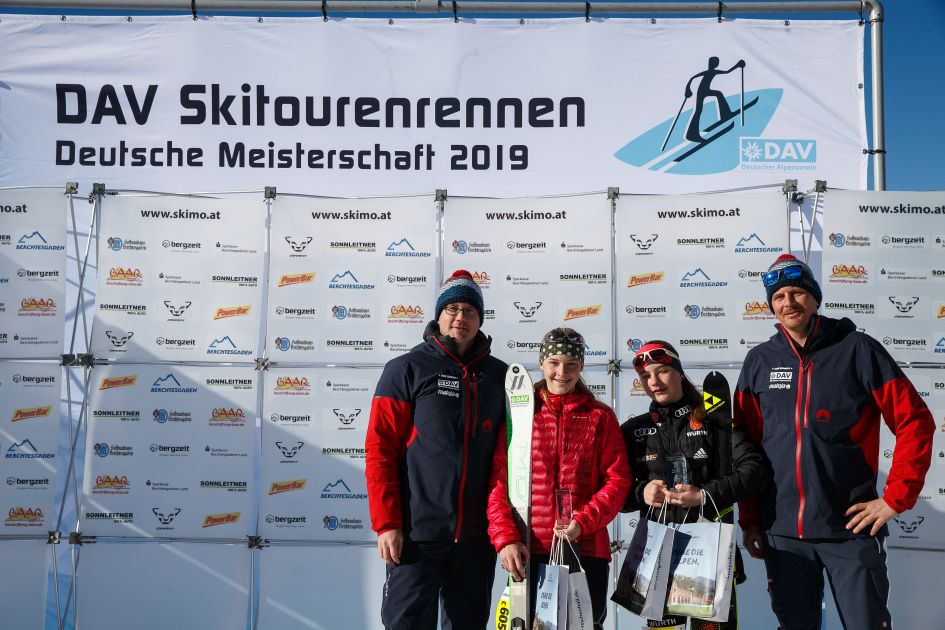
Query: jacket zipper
x,y
798,435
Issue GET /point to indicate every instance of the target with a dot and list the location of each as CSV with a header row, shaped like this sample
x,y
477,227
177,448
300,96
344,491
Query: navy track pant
x,y
856,570
454,577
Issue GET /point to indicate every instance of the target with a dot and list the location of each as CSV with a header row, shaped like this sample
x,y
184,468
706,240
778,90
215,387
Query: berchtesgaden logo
x,y
703,140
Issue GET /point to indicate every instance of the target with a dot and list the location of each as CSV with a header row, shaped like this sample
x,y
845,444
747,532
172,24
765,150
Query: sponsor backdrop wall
x,y
238,336
177,411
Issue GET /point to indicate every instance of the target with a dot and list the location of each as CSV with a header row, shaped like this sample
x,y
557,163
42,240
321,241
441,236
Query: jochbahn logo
x,y
36,242
471,247
293,279
298,245
634,344
110,382
405,314
849,274
284,344
699,278
37,307
124,277
639,279
110,449
333,523
340,311
224,312
168,384
838,239
404,249
703,140
582,311
292,386
20,516
227,346
757,310
347,280
162,416
116,244
752,244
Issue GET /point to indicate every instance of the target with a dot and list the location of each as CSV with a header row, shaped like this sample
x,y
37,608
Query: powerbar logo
x,y
582,311
291,279
228,518
232,311
639,279
278,487
117,381
29,413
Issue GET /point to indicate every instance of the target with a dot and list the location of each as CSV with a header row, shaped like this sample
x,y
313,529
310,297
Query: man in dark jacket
x,y
812,396
435,417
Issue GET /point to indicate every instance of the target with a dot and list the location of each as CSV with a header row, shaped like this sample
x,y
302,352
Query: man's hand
x,y
876,512
514,558
684,495
752,539
653,493
390,544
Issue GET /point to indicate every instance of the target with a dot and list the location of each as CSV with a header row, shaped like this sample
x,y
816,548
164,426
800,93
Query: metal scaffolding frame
x,y
869,11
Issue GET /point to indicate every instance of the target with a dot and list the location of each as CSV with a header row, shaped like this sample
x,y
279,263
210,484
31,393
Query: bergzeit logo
x,y
703,140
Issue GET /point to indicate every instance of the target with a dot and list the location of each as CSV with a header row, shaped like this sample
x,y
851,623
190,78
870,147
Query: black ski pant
x,y
454,577
856,569
597,571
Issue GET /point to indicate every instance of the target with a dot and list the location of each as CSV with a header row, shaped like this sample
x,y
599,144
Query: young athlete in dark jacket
x,y
812,397
676,434
436,415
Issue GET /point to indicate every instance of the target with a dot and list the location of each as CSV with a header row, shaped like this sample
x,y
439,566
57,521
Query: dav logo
x,y
718,127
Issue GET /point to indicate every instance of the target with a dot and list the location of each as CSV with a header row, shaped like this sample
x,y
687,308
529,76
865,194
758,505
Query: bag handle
x,y
704,495
574,552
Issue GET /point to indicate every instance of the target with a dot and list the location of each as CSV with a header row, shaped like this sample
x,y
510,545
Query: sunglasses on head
x,y
557,336
656,355
791,273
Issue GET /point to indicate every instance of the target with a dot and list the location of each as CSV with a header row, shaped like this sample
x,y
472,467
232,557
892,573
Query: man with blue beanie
x,y
812,397
435,418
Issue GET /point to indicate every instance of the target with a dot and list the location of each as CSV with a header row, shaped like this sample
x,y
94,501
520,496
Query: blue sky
x,y
915,90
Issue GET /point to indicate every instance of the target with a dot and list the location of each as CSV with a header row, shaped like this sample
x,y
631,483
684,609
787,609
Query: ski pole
x,y
673,126
742,110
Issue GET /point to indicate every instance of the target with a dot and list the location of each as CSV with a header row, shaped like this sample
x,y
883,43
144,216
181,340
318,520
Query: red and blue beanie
x,y
805,281
460,287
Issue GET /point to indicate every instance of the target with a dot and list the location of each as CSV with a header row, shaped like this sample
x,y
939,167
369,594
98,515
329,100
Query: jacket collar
x,y
446,345
668,413
826,331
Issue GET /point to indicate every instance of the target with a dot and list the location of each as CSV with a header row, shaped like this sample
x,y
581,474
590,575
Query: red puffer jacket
x,y
576,445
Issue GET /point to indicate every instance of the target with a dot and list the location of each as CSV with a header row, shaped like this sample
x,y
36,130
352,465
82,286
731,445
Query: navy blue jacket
x,y
815,410
434,423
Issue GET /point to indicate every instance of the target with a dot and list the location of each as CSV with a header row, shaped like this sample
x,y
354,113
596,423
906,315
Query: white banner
x,y
169,452
24,589
689,271
350,280
541,263
884,268
312,475
180,278
29,426
32,272
503,108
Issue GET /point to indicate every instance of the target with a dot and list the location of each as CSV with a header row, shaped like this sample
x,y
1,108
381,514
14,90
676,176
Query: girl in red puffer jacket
x,y
577,448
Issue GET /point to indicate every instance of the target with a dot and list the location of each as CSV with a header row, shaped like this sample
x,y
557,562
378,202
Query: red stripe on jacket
x,y
748,418
390,430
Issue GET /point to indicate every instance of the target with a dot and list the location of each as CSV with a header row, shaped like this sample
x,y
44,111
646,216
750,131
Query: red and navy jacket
x,y
435,419
815,410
